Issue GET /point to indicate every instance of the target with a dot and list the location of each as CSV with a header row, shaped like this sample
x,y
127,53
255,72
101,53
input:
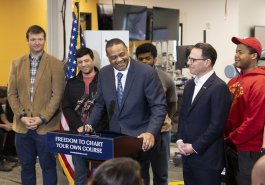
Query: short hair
x,y
84,51
252,51
35,29
146,48
114,41
118,171
208,51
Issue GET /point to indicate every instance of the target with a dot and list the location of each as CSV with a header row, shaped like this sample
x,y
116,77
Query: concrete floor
x,y
13,177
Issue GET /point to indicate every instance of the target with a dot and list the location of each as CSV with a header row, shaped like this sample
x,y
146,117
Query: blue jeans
x,y
159,159
29,146
81,170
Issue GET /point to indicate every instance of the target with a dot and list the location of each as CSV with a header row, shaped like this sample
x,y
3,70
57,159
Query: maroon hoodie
x,y
246,118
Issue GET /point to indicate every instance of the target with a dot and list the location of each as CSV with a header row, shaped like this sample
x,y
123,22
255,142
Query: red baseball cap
x,y
251,42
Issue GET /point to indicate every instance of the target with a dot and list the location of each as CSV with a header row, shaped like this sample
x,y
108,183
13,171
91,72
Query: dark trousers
x,y
7,147
239,166
81,169
159,161
198,176
1,144
145,157
29,146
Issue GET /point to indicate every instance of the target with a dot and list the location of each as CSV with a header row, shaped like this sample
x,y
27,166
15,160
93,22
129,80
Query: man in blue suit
x,y
132,95
203,114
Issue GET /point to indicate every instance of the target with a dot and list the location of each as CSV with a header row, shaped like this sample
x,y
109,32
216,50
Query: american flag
x,y
64,159
76,41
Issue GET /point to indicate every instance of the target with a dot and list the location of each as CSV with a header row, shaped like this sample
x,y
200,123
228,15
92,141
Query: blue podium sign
x,y
102,146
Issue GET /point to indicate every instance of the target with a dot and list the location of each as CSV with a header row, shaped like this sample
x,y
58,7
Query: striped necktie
x,y
119,89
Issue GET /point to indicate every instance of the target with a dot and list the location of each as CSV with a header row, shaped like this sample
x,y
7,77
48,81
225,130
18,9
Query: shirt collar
x,y
38,58
203,78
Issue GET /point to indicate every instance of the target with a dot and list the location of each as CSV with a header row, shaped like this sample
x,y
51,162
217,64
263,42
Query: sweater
x,y
246,118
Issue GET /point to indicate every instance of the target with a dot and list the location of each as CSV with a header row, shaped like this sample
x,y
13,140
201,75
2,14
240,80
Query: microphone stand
x,y
85,112
85,104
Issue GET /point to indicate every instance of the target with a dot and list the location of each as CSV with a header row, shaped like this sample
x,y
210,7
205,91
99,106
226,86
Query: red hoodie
x,y
247,114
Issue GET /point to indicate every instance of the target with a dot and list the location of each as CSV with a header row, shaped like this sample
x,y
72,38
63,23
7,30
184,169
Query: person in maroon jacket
x,y
245,125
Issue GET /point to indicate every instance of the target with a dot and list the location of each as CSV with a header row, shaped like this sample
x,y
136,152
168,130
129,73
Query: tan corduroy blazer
x,y
48,91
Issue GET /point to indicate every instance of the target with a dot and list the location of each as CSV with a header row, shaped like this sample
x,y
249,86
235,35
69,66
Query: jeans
x,y
81,170
159,160
29,146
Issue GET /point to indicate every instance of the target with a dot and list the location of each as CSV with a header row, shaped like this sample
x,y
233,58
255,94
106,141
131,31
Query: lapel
x,y
202,91
128,83
26,71
112,86
190,90
43,63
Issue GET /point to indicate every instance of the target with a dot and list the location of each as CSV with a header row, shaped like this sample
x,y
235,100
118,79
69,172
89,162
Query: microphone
x,y
231,71
87,104
81,102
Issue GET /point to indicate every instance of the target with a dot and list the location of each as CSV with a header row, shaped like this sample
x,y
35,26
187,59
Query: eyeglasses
x,y
192,60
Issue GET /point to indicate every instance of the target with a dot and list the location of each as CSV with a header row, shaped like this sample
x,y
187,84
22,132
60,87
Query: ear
x,y
254,56
155,59
128,51
208,62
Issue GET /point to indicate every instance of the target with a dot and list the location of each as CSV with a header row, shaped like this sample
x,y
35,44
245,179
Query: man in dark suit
x,y
135,103
203,114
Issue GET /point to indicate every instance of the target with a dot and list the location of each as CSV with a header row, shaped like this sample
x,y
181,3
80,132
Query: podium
x,y
100,146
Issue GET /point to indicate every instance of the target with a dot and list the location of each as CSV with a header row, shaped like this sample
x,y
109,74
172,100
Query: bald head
x,y
258,172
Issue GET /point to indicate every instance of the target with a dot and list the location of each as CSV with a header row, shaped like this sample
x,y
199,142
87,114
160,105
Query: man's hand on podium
x,y
148,141
85,128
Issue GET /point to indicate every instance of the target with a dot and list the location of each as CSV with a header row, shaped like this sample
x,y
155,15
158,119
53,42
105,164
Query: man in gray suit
x,y
135,103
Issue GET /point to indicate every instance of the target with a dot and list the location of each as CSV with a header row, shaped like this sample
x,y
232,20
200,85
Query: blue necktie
x,y
119,89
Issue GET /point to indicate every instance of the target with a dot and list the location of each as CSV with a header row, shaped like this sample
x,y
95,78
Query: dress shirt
x,y
34,65
123,79
199,83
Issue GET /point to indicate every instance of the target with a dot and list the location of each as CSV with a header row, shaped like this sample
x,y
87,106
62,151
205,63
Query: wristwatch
x,y
262,151
43,120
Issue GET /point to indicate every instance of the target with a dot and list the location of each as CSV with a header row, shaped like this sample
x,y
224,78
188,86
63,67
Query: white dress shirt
x,y
199,83
123,79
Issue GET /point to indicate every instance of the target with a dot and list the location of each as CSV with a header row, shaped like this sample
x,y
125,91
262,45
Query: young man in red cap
x,y
245,125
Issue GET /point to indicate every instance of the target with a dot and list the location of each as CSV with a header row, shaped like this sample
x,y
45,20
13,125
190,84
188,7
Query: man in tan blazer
x,y
35,89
